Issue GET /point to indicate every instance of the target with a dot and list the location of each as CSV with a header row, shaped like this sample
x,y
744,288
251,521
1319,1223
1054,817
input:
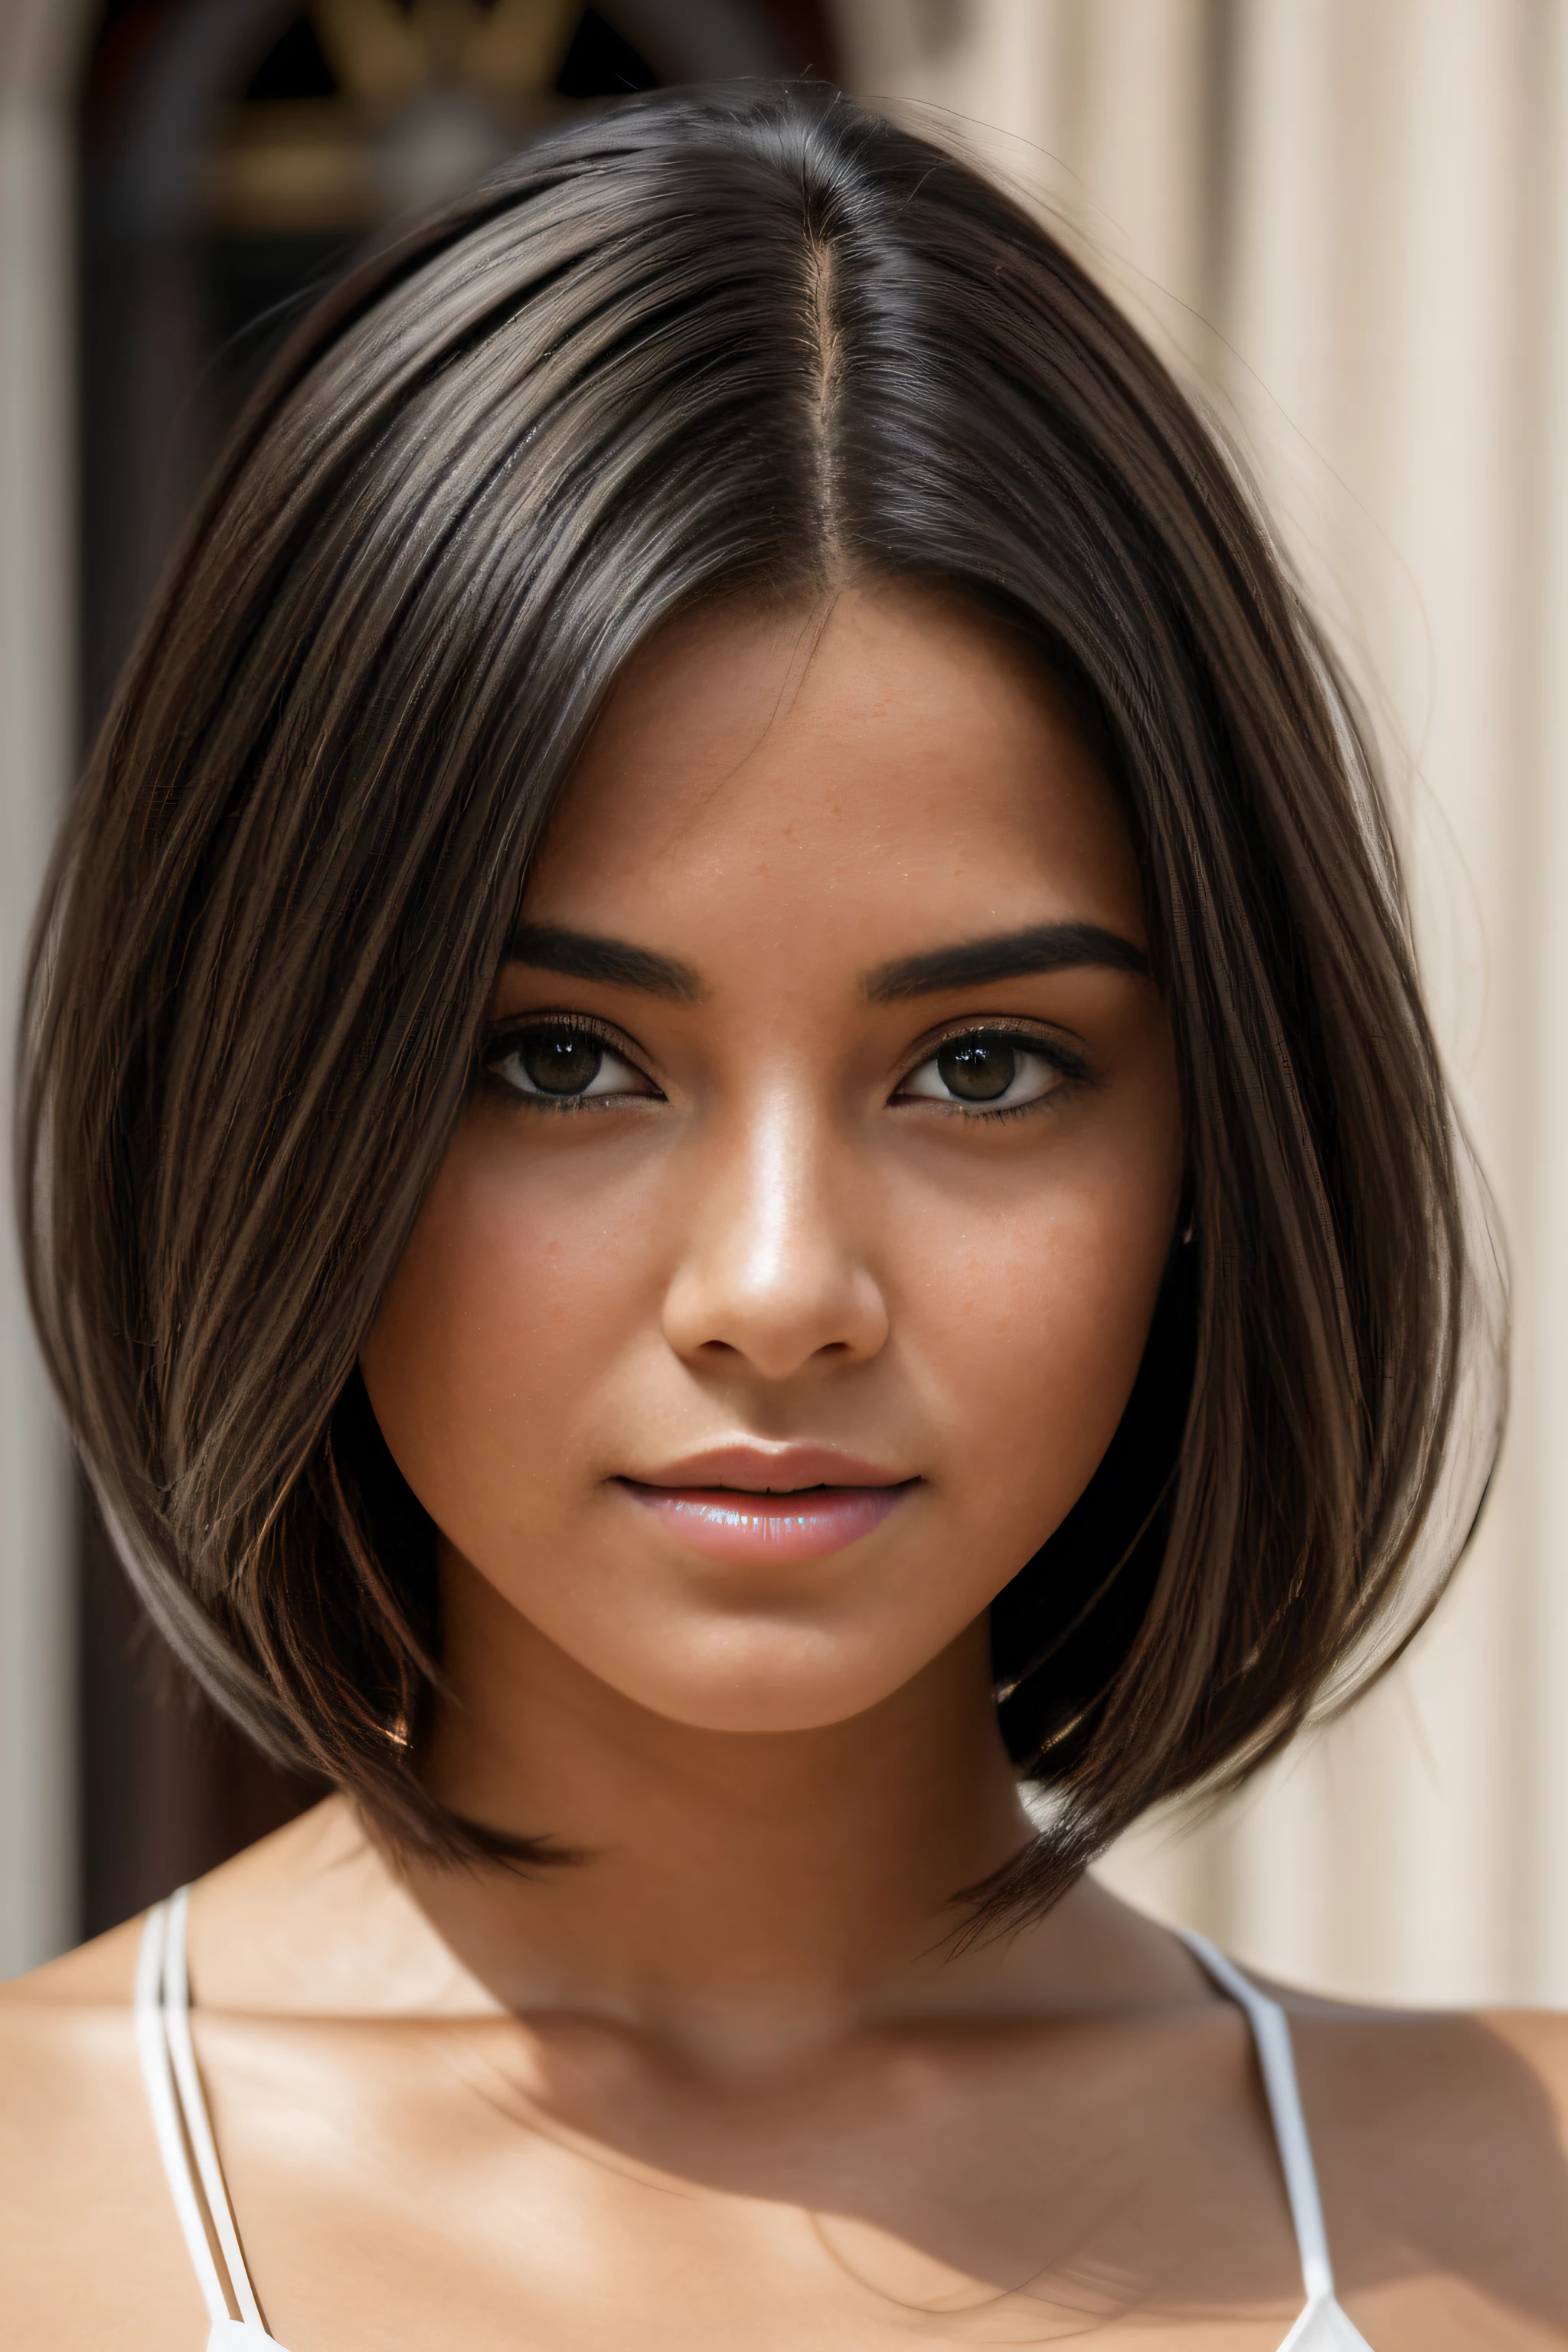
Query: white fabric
x,y
184,2132
1322,2325
180,2120
198,2131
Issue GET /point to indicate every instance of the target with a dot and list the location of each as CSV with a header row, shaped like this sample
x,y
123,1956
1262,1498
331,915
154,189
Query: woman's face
x,y
788,1273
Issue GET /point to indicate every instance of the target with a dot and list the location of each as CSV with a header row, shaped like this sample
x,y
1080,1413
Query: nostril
x,y
771,1279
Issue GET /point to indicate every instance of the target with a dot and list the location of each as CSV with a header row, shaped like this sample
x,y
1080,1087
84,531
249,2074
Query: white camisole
x,y
201,2199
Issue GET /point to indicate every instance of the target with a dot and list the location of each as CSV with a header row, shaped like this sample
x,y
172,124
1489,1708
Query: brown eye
x,y
560,1061
987,1069
977,1069
555,1061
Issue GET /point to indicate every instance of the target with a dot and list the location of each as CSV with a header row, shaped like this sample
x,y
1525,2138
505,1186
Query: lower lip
x,y
735,1526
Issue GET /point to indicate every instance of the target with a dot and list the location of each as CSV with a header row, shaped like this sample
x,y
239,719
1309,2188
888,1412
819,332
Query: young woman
x,y
729,1154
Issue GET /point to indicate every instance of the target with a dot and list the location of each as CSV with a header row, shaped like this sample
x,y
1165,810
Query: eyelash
x,y
505,1040
1072,1068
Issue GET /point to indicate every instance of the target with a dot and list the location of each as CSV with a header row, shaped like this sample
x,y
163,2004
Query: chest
x,y
400,2189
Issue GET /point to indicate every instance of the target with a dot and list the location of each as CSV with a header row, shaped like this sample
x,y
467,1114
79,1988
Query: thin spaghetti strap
x,y
152,2046
1276,2059
180,2122
198,2127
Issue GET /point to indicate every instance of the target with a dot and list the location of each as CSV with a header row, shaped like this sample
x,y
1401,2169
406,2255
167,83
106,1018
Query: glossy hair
x,y
746,340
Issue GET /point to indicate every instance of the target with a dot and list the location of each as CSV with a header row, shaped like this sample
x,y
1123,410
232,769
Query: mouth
x,y
761,1505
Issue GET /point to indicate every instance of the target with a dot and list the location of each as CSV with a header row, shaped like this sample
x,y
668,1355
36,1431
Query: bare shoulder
x,y
1442,2145
95,1975
1539,2039
1470,2077
66,2047
79,2162
79,2167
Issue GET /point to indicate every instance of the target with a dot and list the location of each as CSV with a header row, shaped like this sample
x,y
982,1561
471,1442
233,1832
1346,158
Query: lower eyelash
x,y
1071,1074
571,1102
1006,1110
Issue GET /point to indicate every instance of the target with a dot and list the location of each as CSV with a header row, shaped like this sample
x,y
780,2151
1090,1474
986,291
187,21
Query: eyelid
x,y
1040,1037
506,1028
502,1034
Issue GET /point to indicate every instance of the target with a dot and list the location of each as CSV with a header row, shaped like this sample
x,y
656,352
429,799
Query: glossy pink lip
x,y
754,1504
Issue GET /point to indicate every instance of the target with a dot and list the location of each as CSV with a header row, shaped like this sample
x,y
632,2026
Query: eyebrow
x,y
584,956
1047,947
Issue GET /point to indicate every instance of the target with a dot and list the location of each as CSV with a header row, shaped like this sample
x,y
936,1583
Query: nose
x,y
772,1273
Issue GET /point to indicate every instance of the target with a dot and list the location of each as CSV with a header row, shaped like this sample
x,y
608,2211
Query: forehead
x,y
892,746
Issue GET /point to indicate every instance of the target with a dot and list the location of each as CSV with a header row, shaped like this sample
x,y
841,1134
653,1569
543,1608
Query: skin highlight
x,y
787,1243
724,2077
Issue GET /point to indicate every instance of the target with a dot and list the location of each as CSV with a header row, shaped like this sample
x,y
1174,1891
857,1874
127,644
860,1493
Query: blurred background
x,y
1347,227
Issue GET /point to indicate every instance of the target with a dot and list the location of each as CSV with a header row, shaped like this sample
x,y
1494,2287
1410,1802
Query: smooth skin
x,y
724,2079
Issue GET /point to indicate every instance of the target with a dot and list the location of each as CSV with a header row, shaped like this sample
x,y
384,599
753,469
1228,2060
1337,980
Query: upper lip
x,y
770,1469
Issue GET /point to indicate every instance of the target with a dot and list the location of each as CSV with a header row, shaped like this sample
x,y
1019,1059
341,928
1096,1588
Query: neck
x,y
801,1875
749,1899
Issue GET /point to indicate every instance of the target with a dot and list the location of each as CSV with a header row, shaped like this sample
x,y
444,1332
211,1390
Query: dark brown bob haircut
x,y
746,340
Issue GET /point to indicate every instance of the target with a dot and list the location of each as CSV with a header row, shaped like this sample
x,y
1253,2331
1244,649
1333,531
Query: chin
x,y
772,1716
765,1695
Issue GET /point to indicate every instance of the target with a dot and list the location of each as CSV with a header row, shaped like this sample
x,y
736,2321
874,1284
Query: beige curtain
x,y
1349,225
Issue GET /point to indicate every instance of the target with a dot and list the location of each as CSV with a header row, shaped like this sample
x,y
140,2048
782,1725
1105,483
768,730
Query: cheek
x,y
521,1344
509,1305
1033,1335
